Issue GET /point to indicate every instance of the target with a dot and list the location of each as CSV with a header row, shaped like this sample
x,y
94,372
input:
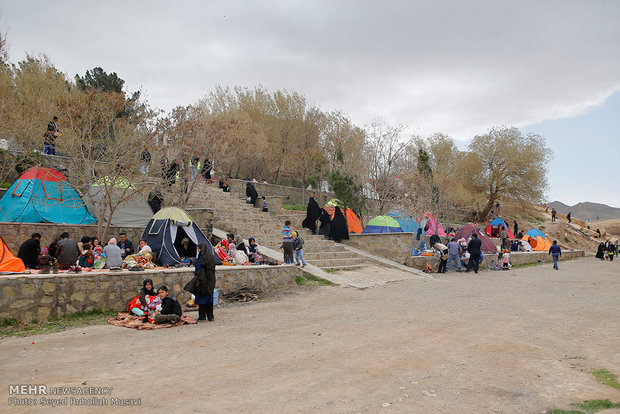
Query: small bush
x,y
8,322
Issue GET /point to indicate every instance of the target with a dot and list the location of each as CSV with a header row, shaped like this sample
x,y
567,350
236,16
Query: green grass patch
x,y
309,280
520,266
606,377
296,207
4,185
586,407
11,327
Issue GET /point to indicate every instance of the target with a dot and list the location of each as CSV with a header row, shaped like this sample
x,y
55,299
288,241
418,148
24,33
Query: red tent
x,y
494,228
469,229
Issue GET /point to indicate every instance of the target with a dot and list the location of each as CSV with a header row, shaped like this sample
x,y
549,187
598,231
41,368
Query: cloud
x,y
458,67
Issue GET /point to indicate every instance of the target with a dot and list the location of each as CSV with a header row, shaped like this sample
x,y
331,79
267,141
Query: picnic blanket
x,y
135,322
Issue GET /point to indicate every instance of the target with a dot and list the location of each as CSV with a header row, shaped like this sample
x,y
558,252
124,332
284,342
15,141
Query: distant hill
x,y
587,210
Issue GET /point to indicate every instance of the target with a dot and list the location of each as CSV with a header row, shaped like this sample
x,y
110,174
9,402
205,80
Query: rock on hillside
x,y
587,210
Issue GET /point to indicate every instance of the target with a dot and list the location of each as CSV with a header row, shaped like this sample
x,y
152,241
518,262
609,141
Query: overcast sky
x,y
457,67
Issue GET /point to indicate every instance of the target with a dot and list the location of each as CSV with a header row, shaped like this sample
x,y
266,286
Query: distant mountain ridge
x,y
587,210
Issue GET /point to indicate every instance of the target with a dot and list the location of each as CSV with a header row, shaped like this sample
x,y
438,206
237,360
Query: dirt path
x,y
497,342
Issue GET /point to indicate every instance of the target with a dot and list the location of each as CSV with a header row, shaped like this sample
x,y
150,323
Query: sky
x,y
459,67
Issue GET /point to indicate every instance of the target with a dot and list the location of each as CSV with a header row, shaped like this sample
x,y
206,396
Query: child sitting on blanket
x,y
171,311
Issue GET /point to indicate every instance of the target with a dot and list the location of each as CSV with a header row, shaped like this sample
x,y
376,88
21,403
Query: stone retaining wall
x,y
14,234
393,246
516,258
290,195
27,297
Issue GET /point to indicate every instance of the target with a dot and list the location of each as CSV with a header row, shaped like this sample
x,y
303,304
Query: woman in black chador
x,y
250,193
312,215
338,229
325,219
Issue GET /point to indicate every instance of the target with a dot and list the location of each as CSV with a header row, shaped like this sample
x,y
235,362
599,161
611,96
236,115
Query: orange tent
x,y
353,222
8,262
538,240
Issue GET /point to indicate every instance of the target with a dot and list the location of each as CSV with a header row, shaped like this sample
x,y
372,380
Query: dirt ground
x,y
498,342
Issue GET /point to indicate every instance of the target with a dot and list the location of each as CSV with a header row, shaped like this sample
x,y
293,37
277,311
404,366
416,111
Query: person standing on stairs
x,y
298,246
313,212
287,243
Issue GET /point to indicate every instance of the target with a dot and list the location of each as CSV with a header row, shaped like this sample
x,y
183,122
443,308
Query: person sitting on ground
x,y
67,252
99,257
225,186
520,235
298,248
144,246
186,251
221,251
125,245
237,256
265,205
514,246
113,255
29,251
232,253
171,310
240,244
95,242
140,306
87,258
443,251
253,251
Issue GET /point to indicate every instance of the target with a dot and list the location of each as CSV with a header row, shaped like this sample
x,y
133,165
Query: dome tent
x,y
43,195
408,223
382,224
132,210
494,228
8,262
431,225
537,239
469,229
165,231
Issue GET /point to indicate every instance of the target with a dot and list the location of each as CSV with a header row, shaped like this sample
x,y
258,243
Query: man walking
x,y
553,214
474,248
555,252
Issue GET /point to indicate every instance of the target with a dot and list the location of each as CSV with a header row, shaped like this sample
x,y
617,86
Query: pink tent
x,y
431,225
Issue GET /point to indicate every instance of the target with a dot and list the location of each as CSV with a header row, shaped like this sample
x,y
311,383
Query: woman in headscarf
x,y
338,229
253,252
325,220
185,250
250,193
600,254
202,284
313,212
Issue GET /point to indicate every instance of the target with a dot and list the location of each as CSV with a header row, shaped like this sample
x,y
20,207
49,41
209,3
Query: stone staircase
x,y
234,215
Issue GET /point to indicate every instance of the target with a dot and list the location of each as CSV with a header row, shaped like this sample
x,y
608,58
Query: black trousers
x,y
442,265
474,261
205,311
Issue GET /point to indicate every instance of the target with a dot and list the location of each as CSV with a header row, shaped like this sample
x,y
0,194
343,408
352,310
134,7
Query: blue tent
x,y
407,223
168,227
43,195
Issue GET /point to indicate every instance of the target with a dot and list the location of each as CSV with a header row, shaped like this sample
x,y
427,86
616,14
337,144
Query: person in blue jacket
x,y
555,252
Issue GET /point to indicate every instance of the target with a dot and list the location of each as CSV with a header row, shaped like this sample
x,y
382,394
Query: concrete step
x,y
345,267
349,261
326,255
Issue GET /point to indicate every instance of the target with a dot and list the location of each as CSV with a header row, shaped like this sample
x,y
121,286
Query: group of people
x,y
162,307
65,253
292,246
335,228
233,251
461,251
607,250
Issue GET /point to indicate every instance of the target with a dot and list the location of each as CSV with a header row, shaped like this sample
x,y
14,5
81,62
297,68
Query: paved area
x,y
497,342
